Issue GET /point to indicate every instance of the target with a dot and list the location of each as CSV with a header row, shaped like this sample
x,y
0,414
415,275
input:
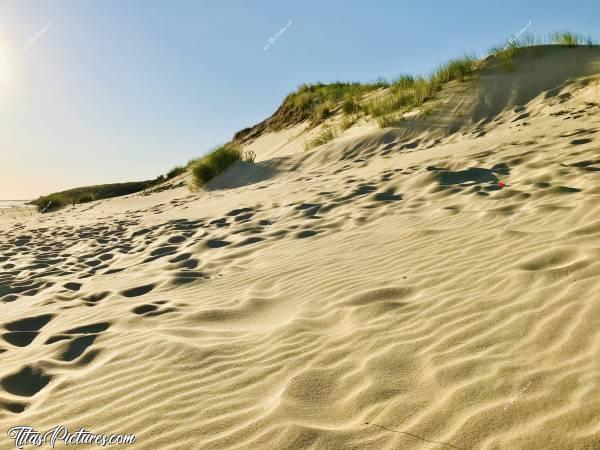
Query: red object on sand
x,y
501,184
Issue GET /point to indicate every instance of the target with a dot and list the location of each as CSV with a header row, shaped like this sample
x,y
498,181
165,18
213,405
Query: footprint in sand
x,y
22,332
79,340
138,291
25,383
153,309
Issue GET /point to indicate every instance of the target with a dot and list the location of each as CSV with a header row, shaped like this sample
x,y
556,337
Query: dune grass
x,y
327,134
51,202
176,171
506,52
218,161
567,38
348,120
350,104
316,102
389,120
408,92
57,200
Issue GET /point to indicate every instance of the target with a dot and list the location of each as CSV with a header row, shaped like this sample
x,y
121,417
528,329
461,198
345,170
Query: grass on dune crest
x,y
312,103
408,92
570,39
316,102
218,161
506,52
176,171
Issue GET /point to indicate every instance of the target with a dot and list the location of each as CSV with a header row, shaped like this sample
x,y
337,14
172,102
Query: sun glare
x,y
5,66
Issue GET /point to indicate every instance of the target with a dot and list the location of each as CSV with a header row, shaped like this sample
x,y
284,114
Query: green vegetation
x,y
567,38
505,55
427,109
326,135
351,104
389,120
506,52
348,120
408,92
176,171
86,194
217,161
313,103
50,202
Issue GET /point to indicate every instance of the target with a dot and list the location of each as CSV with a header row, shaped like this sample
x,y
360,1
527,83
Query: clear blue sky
x,y
119,90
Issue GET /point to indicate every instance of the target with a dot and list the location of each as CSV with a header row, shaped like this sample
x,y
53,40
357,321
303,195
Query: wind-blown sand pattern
x,y
384,290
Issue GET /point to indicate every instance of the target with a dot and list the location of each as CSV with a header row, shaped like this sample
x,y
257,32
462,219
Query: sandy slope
x,y
382,291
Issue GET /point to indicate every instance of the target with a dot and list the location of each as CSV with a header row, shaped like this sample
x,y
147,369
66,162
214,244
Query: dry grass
x,y
327,134
348,120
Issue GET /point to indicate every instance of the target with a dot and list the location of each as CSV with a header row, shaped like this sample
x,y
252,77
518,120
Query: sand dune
x,y
421,288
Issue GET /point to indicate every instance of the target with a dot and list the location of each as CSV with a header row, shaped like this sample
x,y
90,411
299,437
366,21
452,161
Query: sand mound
x,y
387,290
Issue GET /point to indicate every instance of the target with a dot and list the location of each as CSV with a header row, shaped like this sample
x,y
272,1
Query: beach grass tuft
x,y
176,171
567,38
408,92
327,134
218,161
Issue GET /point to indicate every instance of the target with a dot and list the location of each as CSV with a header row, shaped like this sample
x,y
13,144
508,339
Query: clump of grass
x,y
505,54
567,38
86,198
326,135
218,161
399,96
350,104
427,109
455,69
51,202
249,156
389,121
176,171
322,112
408,92
348,120
313,103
